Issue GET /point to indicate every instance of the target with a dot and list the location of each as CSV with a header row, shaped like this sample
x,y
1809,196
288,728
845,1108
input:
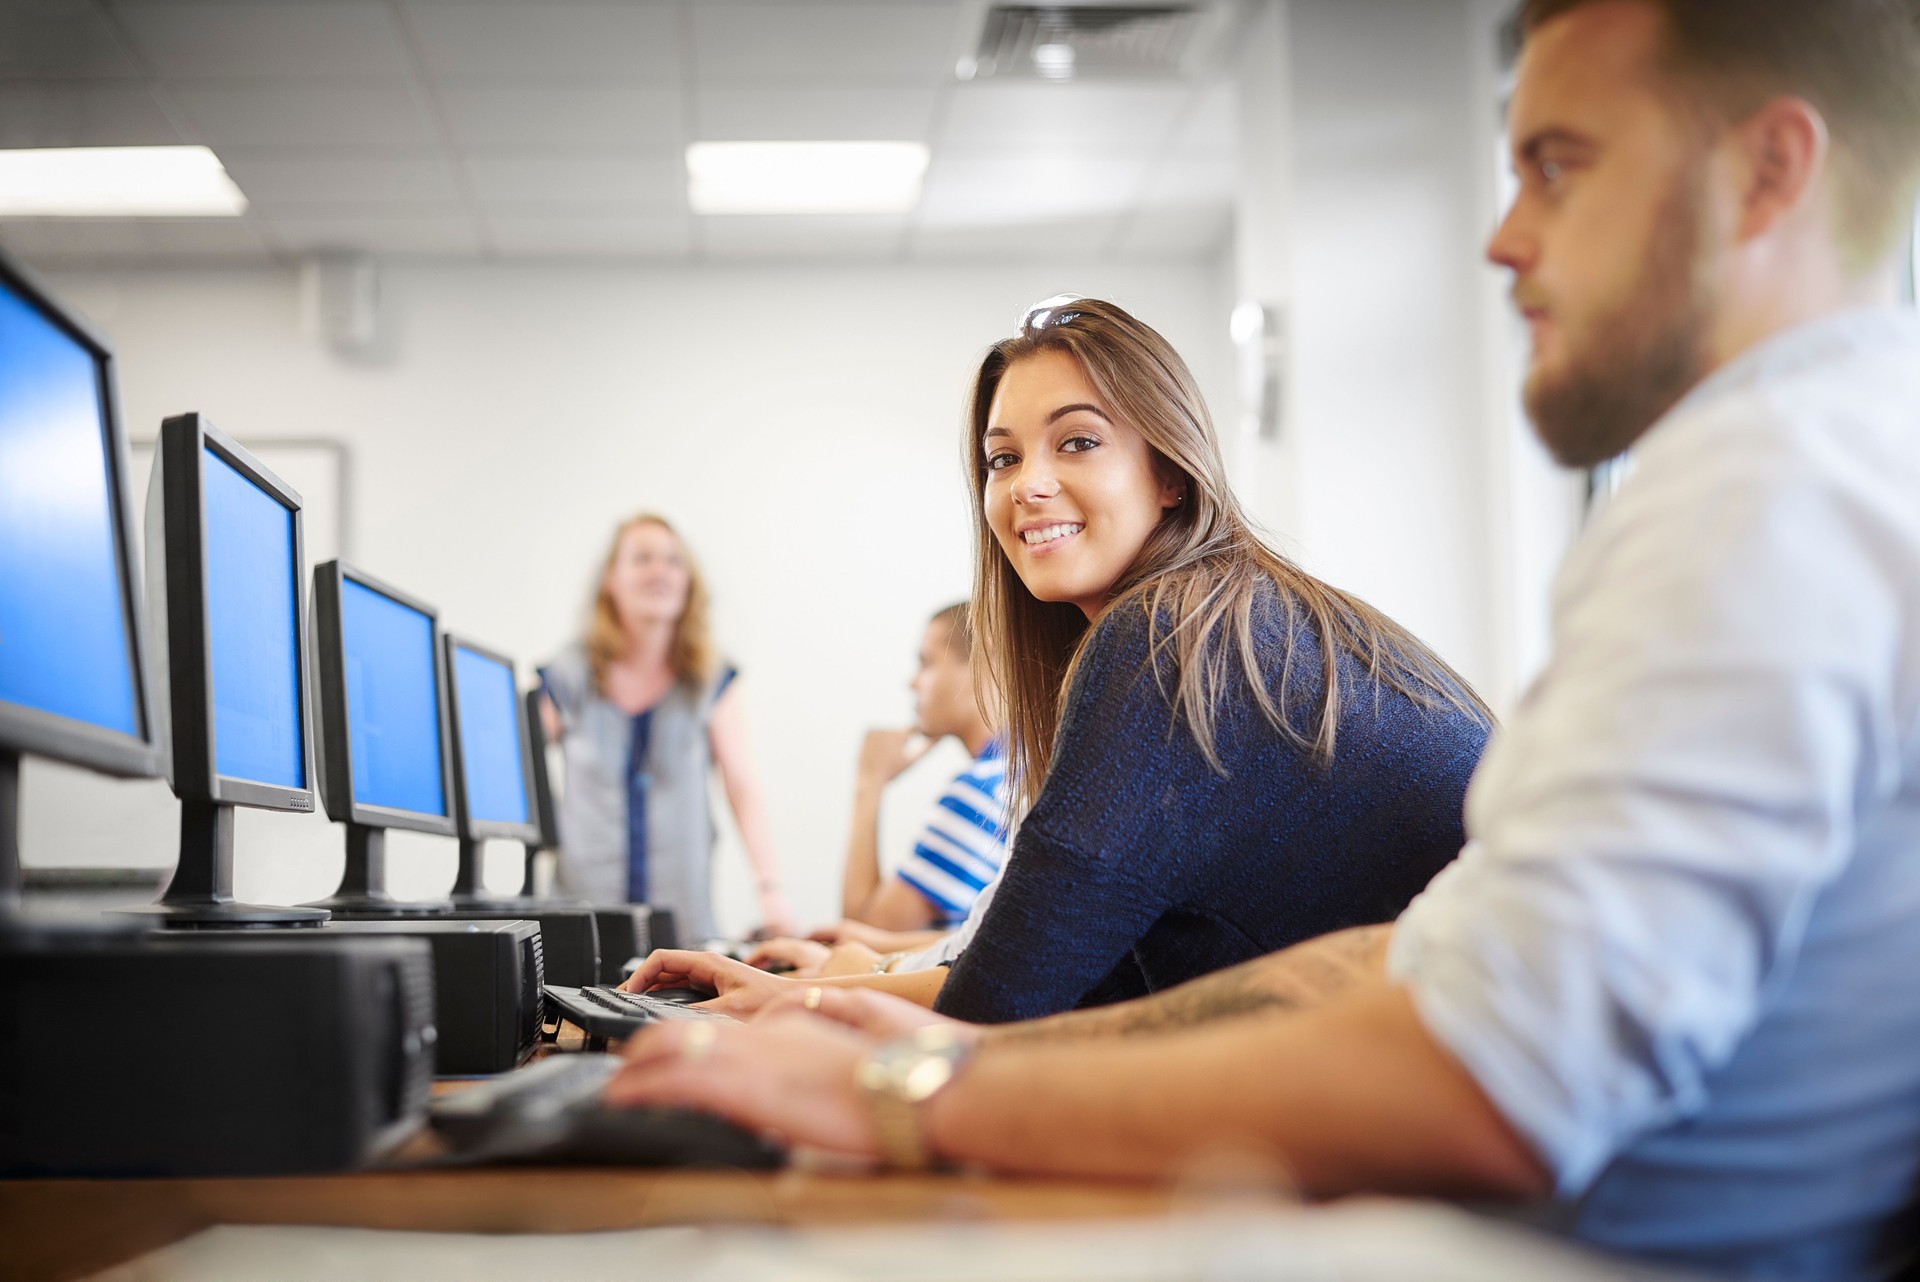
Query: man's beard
x,y
1644,355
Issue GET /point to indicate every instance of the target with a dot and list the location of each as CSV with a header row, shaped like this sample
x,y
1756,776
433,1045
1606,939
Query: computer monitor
x,y
492,757
73,674
224,556
383,727
547,826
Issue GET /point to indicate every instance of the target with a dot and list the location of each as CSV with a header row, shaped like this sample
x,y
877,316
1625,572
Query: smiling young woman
x,y
1213,755
1216,753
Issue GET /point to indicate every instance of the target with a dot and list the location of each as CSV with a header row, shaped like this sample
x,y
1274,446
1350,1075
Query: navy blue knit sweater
x,y
1141,866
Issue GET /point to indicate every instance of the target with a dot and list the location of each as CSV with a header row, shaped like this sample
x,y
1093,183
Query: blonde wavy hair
x,y
1198,577
691,654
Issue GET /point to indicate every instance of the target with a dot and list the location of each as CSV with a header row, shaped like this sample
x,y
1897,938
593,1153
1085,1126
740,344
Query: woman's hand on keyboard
x,y
739,989
881,1016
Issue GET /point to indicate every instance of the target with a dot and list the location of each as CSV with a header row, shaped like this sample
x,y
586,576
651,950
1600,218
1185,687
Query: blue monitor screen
x,y
253,630
393,702
489,739
63,625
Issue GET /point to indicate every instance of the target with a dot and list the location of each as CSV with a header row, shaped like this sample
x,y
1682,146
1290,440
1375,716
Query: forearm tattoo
x,y
1299,978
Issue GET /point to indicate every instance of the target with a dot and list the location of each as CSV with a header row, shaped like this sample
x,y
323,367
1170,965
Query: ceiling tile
x,y
448,232
272,178
970,189
778,115
573,41
803,236
1137,119
748,44
82,115
60,38
656,179
233,115
553,118
598,235
347,38
1062,238
1176,233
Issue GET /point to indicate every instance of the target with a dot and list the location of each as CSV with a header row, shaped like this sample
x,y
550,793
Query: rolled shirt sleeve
x,y
1649,835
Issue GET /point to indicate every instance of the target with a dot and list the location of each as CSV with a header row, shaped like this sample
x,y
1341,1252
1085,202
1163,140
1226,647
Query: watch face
x,y
925,1075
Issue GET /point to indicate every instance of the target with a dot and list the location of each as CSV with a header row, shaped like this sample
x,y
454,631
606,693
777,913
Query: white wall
x,y
801,425
1402,472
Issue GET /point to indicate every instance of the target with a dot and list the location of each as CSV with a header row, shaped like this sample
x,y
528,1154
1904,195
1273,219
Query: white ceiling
x,y
504,129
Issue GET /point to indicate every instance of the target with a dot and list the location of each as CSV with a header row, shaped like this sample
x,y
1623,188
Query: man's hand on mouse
x,y
739,989
792,1074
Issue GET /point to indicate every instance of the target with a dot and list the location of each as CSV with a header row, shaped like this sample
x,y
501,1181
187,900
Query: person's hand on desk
x,y
739,989
880,941
803,958
792,1075
852,958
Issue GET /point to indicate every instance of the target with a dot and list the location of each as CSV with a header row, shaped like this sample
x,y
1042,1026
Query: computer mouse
x,y
682,996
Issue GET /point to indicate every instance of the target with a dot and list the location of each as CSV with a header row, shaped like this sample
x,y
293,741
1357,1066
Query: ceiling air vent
x,y
1064,42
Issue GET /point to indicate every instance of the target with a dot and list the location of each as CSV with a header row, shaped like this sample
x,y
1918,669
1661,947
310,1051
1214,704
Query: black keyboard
x,y
609,1012
551,1112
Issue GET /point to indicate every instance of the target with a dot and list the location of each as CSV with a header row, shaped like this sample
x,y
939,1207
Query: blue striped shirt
x,y
964,841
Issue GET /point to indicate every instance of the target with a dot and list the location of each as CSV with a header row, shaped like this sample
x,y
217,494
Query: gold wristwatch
x,y
901,1076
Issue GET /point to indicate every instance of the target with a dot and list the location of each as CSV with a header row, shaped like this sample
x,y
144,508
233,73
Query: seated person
x,y
1218,754
1666,989
964,841
854,949
958,851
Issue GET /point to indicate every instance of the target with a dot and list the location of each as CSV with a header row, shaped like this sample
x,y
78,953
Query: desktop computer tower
x,y
188,1055
487,980
628,931
569,934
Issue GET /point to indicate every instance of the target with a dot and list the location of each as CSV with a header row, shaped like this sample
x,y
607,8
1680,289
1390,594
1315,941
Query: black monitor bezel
x,y
467,827
45,734
335,744
180,452
547,823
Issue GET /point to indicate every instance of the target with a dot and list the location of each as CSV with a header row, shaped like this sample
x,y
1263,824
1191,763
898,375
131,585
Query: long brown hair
x,y
1199,575
691,653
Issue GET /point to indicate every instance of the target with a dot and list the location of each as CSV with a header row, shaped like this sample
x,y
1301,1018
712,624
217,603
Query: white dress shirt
x,y
1681,952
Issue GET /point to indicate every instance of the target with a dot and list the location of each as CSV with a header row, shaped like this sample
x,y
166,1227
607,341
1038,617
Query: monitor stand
x,y
469,891
9,837
18,927
363,885
526,870
201,896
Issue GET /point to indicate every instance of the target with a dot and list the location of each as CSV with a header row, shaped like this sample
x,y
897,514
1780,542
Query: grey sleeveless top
x,y
596,739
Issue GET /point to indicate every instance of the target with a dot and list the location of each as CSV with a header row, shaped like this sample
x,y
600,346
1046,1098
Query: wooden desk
x,y
61,1229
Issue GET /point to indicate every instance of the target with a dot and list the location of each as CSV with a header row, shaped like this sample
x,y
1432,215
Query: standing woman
x,y
644,709
1217,755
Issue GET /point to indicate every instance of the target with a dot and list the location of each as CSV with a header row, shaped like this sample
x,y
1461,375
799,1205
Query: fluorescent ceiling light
x,y
116,182
804,177
1054,61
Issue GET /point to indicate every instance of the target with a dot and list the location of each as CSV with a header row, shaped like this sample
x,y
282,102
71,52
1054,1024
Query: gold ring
x,y
698,1041
812,998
